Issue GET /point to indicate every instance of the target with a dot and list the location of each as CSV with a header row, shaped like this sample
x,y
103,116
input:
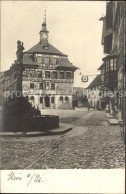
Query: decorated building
x,y
43,74
112,69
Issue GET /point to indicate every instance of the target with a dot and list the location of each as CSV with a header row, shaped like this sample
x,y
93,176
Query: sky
x,y
74,29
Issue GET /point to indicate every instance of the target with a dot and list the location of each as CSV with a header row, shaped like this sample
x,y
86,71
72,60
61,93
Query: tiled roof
x,y
28,59
64,62
101,66
95,82
40,48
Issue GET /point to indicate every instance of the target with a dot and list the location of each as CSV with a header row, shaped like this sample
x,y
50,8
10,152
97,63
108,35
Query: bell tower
x,y
44,32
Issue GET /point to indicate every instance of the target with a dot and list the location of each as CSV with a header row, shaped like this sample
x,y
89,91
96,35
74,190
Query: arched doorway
x,y
47,101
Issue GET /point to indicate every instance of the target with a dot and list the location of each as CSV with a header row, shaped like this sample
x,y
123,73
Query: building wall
x,y
62,90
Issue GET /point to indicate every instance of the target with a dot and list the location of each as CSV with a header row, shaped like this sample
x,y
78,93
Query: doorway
x,y
47,101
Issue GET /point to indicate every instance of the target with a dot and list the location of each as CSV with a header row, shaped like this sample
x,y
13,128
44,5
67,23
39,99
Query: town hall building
x,y
43,74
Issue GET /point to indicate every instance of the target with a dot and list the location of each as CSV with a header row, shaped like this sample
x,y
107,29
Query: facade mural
x,y
42,73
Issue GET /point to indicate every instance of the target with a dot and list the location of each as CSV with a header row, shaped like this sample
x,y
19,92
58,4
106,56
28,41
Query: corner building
x,y
46,75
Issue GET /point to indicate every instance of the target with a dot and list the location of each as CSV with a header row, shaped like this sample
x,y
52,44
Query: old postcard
x,y
62,99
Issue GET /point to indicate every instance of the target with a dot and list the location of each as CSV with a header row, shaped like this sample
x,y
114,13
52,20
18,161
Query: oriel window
x,y
115,64
107,65
111,64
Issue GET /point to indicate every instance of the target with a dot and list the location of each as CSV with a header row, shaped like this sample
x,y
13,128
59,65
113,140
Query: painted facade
x,y
43,74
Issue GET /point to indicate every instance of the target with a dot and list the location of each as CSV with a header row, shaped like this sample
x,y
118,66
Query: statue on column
x,y
19,52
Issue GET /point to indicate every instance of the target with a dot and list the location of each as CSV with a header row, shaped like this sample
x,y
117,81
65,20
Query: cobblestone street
x,y
91,144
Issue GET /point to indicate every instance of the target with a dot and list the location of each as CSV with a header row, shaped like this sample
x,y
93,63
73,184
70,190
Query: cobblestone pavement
x,y
91,144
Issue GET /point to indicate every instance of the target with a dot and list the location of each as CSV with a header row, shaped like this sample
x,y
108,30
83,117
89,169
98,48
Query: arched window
x,y
66,98
61,98
32,98
52,100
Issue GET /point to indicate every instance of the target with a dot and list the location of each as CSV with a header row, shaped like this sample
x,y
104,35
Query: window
x,y
107,65
61,98
24,73
39,73
115,64
62,75
52,86
32,98
47,85
52,100
46,60
54,61
47,74
31,73
66,98
41,100
39,60
41,86
68,75
32,85
111,64
54,74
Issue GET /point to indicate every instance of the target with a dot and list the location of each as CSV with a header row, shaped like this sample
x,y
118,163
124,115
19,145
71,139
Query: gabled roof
x,y
28,59
40,48
101,66
95,82
64,62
